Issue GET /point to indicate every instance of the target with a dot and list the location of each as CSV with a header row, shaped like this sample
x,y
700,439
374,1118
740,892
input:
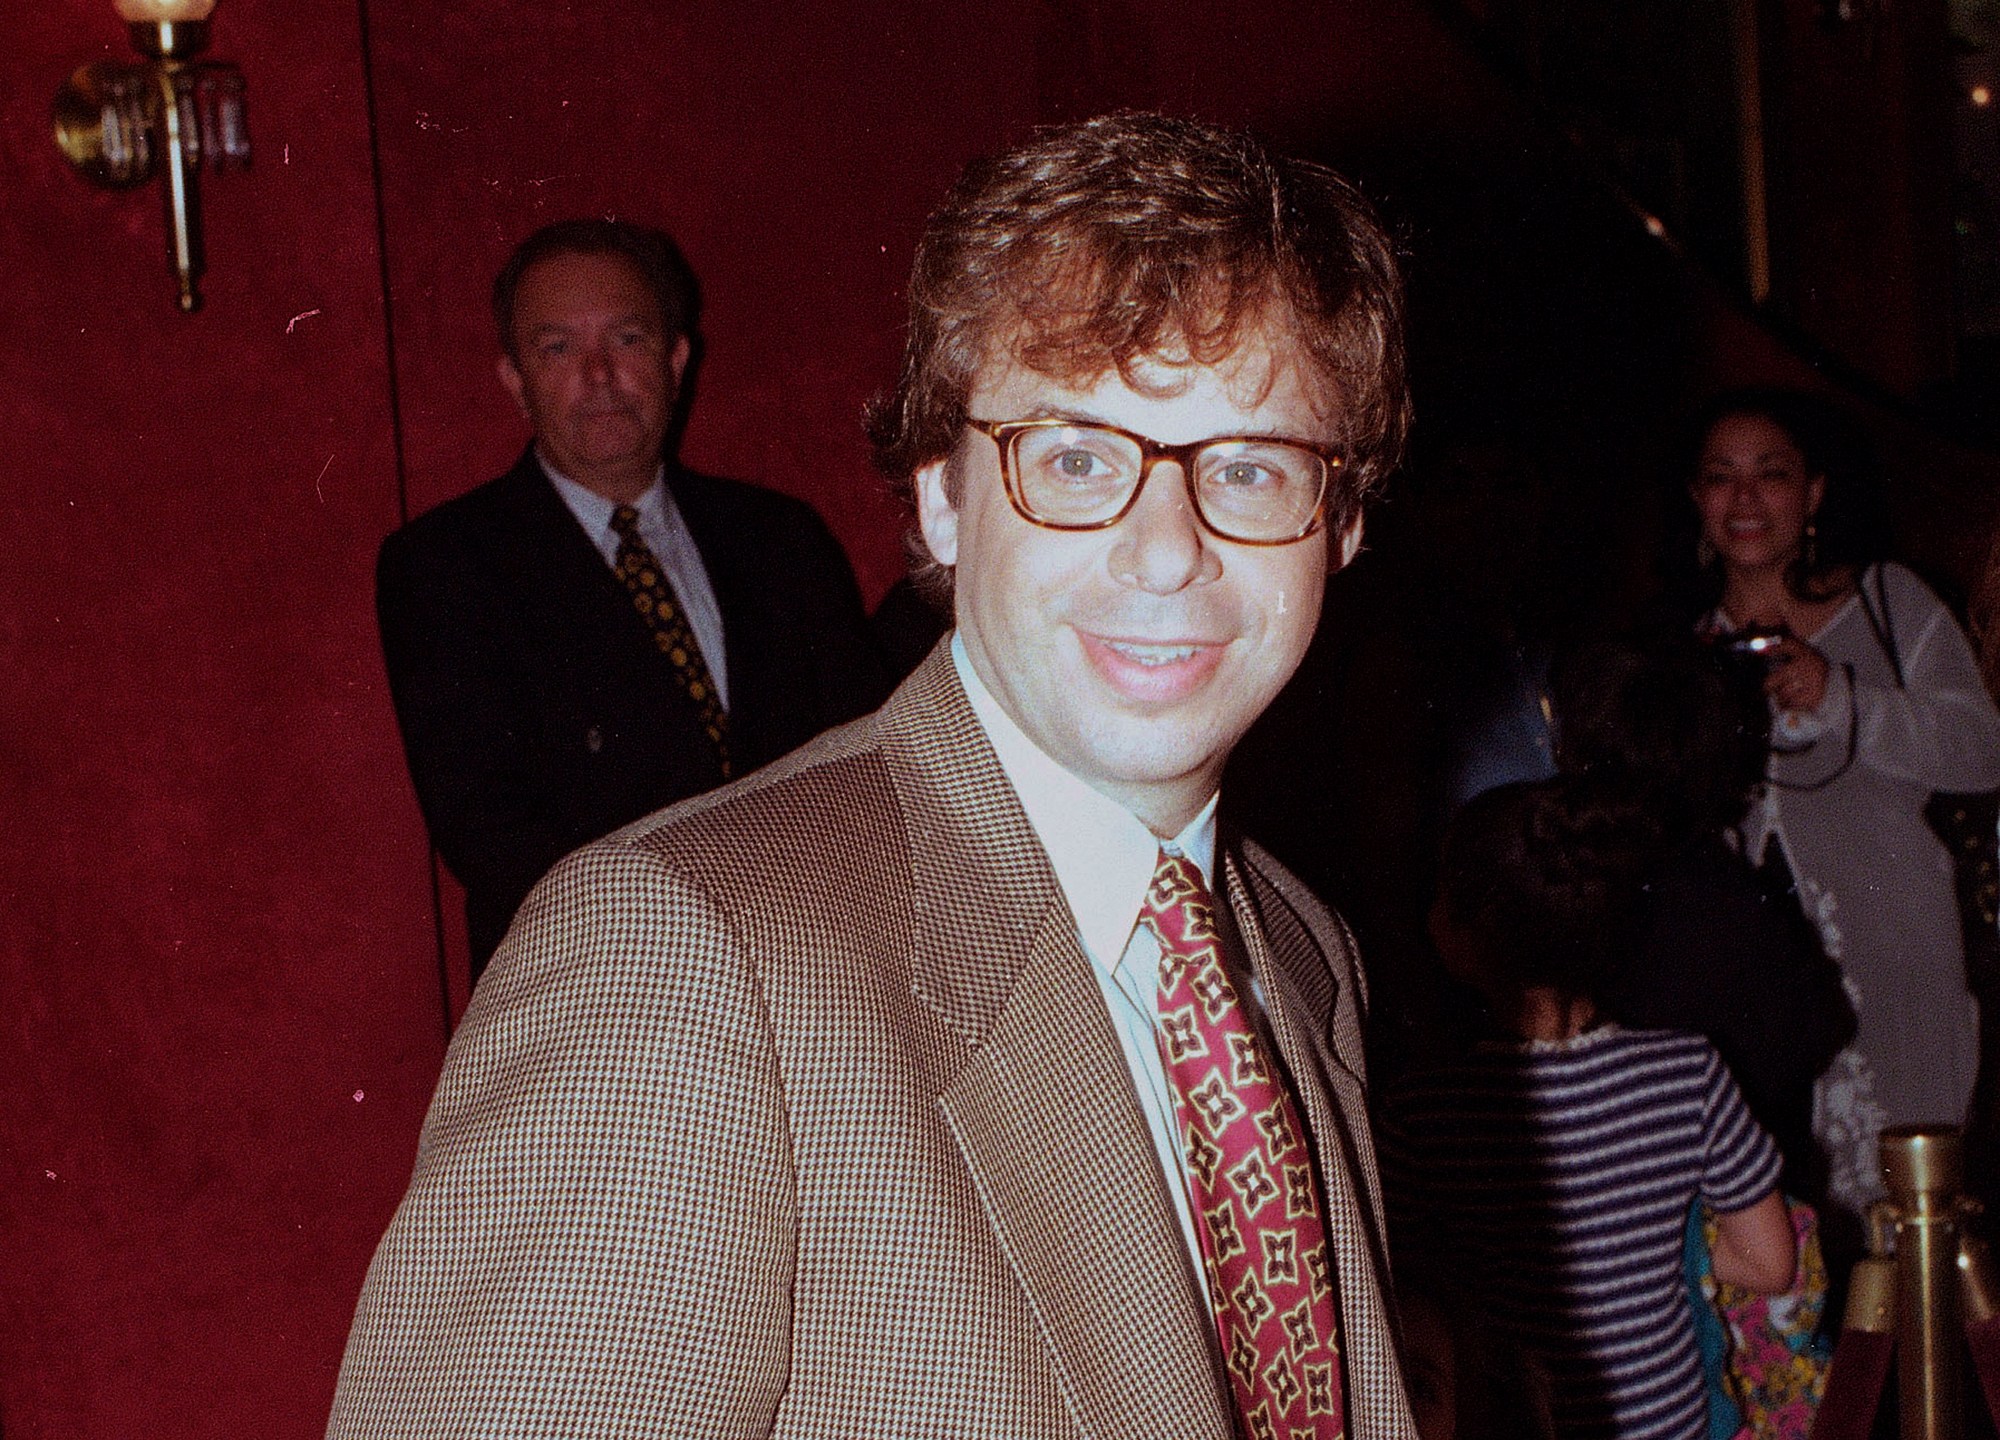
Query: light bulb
x,y
151,12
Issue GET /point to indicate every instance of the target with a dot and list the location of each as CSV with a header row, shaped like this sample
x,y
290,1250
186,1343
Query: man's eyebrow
x,y
1071,416
1065,413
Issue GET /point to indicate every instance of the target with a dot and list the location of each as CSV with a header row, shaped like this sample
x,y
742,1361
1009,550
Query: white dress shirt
x,y
666,534
1104,857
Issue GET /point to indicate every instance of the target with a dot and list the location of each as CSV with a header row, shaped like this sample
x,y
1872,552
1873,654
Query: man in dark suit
x,y
598,632
958,1075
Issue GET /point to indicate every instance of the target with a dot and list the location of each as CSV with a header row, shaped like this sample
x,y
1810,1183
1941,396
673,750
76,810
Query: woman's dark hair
x,y
1546,877
1853,516
1661,722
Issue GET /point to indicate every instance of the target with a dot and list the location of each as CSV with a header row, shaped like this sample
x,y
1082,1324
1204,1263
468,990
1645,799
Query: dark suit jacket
x,y
537,712
796,1112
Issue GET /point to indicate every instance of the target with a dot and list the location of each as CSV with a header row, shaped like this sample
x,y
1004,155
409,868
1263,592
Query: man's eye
x,y
552,349
1246,468
1243,475
1077,465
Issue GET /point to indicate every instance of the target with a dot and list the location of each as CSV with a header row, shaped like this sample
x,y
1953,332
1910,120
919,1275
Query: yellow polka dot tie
x,y
654,599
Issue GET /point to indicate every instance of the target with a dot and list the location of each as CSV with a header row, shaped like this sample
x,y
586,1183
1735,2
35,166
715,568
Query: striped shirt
x,y
1553,1181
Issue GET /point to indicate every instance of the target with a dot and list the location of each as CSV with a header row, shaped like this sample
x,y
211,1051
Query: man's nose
x,y
1160,546
598,365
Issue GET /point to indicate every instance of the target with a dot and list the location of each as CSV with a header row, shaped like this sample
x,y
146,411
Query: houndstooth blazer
x,y
794,1110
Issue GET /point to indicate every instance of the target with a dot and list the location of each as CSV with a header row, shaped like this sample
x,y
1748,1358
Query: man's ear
x,y
937,517
510,376
1347,545
677,363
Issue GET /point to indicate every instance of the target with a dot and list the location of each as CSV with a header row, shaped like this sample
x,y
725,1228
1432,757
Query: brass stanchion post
x,y
1931,1283
1924,1168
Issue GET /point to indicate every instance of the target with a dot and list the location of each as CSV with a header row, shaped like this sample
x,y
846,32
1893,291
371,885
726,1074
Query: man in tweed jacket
x,y
813,1107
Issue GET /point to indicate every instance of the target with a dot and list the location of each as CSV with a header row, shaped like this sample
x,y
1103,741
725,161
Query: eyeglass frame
x,y
1003,434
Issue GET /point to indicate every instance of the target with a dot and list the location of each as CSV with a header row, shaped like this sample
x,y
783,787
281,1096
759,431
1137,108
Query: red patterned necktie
x,y
641,572
1249,1175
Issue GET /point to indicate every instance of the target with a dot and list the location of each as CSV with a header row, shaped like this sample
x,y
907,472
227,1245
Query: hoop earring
x,y
1704,553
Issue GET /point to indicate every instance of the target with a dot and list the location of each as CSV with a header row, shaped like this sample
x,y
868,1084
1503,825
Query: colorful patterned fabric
x,y
1725,1420
1776,1363
1249,1178
654,598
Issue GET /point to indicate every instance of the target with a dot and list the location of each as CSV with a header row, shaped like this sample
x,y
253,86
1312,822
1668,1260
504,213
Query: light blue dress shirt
x,y
1104,857
666,534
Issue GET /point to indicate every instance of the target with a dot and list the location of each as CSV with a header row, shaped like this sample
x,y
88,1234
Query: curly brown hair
x,y
1102,245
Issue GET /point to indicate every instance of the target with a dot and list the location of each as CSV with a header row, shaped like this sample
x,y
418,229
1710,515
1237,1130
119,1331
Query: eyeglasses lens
x,y
1247,489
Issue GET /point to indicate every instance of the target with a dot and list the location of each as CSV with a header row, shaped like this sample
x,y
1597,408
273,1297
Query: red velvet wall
x,y
217,937
220,1026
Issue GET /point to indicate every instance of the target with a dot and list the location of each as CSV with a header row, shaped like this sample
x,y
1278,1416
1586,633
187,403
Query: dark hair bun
x,y
1547,877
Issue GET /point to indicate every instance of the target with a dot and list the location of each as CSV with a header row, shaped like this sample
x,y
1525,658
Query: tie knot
x,y
1176,881
625,520
1179,907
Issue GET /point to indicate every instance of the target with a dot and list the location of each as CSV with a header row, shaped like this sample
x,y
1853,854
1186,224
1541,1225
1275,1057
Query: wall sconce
x,y
121,123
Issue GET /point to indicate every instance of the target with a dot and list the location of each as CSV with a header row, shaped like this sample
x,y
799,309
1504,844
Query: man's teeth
x,y
1153,654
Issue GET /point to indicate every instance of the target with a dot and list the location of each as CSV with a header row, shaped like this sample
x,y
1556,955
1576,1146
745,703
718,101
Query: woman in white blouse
x,y
1876,702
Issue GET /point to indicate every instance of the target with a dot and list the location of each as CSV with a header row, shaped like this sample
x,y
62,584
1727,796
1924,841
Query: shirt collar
x,y
593,511
1103,854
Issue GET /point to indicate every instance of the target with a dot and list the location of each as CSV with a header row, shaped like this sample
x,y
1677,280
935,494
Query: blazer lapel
x,y
552,558
1302,998
1039,1098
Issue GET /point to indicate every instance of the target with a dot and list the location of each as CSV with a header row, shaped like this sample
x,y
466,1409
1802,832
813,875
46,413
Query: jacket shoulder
x,y
493,512
792,827
720,494
748,529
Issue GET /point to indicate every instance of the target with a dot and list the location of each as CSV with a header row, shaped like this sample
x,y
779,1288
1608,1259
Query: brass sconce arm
x,y
120,124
